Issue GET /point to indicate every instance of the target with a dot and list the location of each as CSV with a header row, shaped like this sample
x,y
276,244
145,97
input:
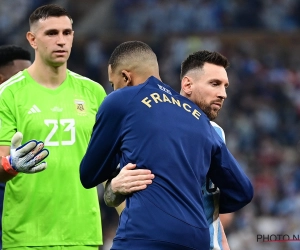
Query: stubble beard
x,y
208,110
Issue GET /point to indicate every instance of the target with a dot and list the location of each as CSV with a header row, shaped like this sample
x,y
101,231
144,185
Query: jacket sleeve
x,y
236,190
101,158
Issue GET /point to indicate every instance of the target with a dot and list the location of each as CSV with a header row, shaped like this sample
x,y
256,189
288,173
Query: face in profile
x,y
117,79
209,89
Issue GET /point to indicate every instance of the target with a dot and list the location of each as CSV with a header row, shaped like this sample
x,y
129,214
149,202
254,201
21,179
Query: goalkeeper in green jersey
x,y
51,209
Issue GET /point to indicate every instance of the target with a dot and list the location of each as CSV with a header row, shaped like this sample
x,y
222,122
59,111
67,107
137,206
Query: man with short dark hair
x,y
204,81
50,210
151,125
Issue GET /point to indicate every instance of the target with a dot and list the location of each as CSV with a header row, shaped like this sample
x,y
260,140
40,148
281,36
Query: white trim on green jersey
x,y
52,207
16,78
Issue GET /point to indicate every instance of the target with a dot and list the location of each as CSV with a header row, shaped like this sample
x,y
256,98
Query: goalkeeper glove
x,y
26,158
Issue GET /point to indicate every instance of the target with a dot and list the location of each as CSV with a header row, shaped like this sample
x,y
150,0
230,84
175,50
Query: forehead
x,y
210,70
56,23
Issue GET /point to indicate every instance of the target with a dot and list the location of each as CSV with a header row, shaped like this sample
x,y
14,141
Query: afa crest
x,y
80,107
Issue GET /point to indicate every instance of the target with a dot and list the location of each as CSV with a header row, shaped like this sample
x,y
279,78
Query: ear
x,y
186,85
126,77
31,39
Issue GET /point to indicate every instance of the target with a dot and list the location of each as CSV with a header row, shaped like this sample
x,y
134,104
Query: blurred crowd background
x,y
261,114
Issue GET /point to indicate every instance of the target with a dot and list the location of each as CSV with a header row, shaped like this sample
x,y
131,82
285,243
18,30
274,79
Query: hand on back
x,y
130,180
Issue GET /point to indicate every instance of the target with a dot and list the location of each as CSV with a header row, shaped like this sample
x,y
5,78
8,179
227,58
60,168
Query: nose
x,y
61,39
222,94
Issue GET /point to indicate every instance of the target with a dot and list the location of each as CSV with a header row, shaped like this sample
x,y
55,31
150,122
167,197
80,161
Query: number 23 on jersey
x,y
68,127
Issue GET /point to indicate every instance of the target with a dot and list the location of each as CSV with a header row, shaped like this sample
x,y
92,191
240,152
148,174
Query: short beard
x,y
211,114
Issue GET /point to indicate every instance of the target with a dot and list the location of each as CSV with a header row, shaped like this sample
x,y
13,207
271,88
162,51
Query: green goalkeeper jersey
x,y
51,207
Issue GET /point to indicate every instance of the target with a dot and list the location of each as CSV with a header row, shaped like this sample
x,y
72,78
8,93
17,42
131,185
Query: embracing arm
x,y
226,220
236,190
225,244
127,181
111,198
102,155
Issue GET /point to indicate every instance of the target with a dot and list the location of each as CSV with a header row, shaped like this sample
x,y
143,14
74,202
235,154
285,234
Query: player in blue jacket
x,y
153,126
208,66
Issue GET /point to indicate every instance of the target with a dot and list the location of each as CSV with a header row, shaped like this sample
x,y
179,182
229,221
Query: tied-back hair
x,y
49,10
9,53
197,60
131,52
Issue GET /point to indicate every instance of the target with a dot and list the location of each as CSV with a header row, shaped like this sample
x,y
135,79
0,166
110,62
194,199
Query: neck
x,y
138,79
48,76
156,75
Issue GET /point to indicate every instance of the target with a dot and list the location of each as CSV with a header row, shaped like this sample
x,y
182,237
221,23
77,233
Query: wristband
x,y
7,167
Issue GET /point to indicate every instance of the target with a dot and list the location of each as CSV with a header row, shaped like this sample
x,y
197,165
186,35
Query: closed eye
x,y
216,83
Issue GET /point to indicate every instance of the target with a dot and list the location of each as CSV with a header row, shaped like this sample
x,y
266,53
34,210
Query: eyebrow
x,y
56,30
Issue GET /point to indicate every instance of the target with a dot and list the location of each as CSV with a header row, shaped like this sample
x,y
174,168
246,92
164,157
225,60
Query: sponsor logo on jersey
x,y
56,109
164,89
34,110
80,107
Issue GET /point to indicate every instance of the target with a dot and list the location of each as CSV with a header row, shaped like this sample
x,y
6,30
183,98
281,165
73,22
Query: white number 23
x,y
68,124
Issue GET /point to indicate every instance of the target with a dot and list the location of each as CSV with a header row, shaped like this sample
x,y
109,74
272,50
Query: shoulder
x,y
118,96
218,129
215,125
78,77
113,107
126,94
94,89
118,100
86,82
13,84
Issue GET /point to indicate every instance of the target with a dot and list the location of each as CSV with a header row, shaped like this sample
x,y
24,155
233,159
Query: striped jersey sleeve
x,y
211,204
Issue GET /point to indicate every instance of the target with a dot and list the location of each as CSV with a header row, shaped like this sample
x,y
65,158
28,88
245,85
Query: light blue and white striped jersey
x,y
211,205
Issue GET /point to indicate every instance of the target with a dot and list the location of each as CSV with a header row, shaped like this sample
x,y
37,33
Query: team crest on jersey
x,y
80,107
